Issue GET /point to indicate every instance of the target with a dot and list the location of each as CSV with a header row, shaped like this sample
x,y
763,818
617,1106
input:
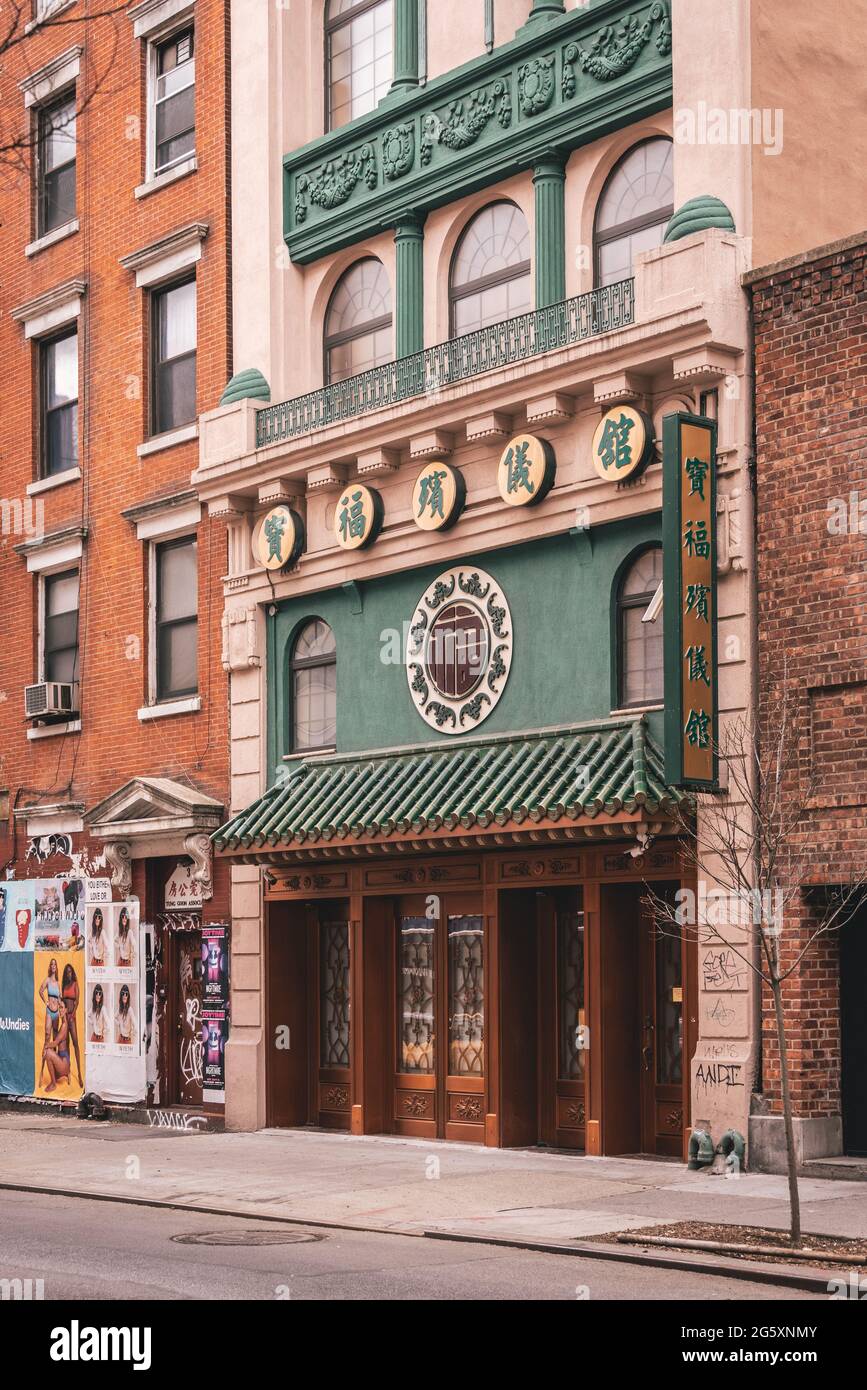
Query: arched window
x,y
314,688
358,322
490,275
640,644
358,57
635,207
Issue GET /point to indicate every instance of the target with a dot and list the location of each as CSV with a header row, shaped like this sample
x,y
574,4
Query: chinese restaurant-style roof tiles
x,y
554,778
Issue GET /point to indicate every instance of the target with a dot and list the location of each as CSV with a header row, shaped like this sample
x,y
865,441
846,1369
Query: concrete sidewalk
x,y
402,1185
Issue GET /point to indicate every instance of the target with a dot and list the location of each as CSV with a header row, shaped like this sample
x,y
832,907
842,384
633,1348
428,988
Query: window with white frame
x,y
58,647
172,115
175,623
359,57
173,366
55,165
59,404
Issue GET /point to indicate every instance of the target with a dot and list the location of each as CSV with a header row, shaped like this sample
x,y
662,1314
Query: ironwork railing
x,y
424,373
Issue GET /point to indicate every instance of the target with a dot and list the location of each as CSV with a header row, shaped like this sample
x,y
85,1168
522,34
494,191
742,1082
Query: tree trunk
x,y
791,1158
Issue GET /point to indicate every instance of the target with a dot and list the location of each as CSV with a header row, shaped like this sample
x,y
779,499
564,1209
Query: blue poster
x,y
17,914
17,1067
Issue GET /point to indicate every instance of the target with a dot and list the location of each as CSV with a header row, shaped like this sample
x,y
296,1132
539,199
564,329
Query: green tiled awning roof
x,y
555,776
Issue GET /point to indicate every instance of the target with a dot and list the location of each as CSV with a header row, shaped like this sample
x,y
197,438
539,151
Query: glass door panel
x,y
416,985
570,985
334,994
466,938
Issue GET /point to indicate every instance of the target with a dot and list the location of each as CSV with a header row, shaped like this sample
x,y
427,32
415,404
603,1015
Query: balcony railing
x,y
424,373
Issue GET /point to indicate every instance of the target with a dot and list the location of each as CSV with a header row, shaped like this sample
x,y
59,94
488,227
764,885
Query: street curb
x,y
753,1273
809,1280
231,1213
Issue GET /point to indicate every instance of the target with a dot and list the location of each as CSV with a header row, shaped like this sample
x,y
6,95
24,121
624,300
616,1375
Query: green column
x,y
405,45
549,179
546,9
409,291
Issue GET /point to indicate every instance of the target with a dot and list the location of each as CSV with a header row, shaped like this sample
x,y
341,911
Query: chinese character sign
x,y
690,589
526,471
438,496
278,539
358,517
622,444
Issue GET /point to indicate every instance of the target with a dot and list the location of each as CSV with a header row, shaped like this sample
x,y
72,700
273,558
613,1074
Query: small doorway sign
x,y
181,890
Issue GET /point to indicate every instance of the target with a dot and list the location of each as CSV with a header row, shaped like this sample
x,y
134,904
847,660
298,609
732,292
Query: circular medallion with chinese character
x,y
438,496
526,471
358,517
459,651
278,539
622,444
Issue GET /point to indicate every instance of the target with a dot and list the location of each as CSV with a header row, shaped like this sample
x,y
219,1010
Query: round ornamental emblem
x,y
622,444
358,517
526,471
438,496
278,539
459,651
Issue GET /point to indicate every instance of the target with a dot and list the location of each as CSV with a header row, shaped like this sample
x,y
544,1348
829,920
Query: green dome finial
x,y
246,386
697,215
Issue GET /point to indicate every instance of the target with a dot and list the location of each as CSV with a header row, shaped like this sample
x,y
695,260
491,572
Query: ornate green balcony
x,y
555,86
422,373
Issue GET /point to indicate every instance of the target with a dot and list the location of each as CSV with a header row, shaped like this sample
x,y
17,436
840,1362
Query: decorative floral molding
x,y
617,47
336,180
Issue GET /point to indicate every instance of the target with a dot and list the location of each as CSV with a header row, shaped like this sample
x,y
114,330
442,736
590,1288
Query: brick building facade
x,y
810,317
115,333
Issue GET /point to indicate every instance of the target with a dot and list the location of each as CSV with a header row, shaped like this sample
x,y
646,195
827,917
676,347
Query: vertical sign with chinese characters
x,y
690,590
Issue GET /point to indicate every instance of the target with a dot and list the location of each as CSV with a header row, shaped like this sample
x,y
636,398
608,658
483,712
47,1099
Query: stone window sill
x,y
69,475
168,440
51,238
73,726
158,181
170,708
636,710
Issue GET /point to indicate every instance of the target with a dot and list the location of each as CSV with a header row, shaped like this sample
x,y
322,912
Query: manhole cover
x,y
246,1238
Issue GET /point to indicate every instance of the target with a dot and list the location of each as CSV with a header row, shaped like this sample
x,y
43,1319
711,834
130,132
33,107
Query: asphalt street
x,y
87,1250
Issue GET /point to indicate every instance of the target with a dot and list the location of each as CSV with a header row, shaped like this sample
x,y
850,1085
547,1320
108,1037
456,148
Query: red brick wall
x,y
113,745
811,448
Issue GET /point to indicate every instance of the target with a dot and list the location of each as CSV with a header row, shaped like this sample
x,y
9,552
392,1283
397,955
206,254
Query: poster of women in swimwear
x,y
115,1001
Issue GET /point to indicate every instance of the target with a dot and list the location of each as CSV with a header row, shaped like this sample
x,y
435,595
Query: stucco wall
x,y
808,62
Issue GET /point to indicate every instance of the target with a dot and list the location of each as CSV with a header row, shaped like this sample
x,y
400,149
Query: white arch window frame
x,y
520,270
370,327
658,217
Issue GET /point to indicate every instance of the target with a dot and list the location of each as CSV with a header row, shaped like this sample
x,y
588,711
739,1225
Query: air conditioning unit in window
x,y
50,699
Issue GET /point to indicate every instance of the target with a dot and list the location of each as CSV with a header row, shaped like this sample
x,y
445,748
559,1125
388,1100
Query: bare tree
x,y
755,851
18,136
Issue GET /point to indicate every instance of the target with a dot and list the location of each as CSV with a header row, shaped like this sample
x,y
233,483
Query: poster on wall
x,y
43,1005
17,1075
58,1026
17,902
115,1002
215,1011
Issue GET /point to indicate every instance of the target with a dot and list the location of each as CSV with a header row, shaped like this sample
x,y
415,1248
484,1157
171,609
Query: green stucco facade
x,y
559,591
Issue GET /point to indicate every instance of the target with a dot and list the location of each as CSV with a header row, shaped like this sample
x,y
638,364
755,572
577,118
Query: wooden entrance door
x,y
642,985
543,1018
187,1014
308,1015
439,1013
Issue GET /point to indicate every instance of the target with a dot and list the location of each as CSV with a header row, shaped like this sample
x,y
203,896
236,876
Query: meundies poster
x,y
115,1001
58,1031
